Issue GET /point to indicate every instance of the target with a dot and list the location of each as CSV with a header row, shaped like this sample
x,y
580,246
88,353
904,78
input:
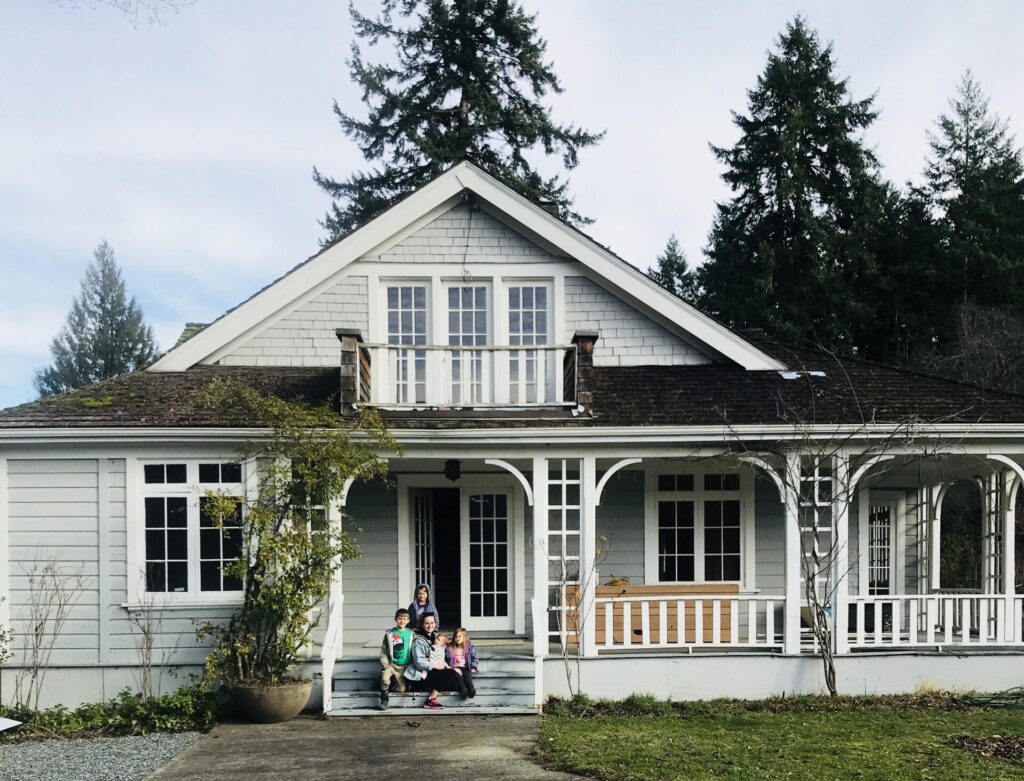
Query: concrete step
x,y
366,683
459,710
406,702
488,666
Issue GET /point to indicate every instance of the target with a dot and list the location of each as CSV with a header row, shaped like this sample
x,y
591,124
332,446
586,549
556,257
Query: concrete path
x,y
352,748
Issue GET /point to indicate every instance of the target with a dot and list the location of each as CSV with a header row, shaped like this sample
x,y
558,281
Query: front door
x,y
486,560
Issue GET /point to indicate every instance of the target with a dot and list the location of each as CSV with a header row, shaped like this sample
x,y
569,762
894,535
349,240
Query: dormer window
x,y
467,342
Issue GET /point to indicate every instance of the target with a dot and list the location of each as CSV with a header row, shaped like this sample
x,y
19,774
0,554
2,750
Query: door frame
x,y
476,482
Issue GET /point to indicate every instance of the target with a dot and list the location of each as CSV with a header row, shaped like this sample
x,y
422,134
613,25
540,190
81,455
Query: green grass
x,y
643,739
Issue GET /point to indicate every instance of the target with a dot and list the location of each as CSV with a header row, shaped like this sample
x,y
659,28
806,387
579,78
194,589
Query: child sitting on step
x,y
394,655
462,658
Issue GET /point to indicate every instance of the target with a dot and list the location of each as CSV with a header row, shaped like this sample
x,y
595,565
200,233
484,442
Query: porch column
x,y
935,538
841,495
794,595
540,559
588,555
1009,520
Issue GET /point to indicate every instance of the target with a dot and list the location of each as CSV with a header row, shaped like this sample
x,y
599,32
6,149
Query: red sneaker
x,y
433,704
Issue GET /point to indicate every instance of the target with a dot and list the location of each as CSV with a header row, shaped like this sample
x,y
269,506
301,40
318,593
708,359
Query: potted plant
x,y
289,547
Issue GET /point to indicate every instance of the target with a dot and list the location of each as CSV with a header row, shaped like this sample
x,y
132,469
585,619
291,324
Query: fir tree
x,y
104,334
788,248
975,179
673,272
466,84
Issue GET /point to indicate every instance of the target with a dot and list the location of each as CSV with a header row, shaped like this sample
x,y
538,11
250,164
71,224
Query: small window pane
x,y
154,512
155,548
731,482
176,473
177,516
666,482
209,473
732,568
177,544
156,576
154,473
177,576
713,568
685,570
231,472
209,543
209,576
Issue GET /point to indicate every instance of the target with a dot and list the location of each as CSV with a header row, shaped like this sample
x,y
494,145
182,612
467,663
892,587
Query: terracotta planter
x,y
270,704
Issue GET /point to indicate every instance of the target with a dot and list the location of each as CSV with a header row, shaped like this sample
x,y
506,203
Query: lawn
x,y
642,739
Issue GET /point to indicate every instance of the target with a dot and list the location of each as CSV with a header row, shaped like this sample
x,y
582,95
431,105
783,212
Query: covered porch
x,y
685,552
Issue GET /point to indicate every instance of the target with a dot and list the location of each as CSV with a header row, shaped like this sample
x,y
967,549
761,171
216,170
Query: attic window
x,y
795,375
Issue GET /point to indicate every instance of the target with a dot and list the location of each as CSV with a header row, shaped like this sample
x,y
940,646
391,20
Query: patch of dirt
x,y
1010,747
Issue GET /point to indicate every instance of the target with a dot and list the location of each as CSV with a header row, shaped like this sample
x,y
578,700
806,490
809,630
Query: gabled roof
x,y
433,197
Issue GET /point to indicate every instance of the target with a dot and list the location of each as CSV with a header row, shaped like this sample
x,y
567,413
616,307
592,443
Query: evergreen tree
x,y
975,179
790,247
104,334
466,84
673,272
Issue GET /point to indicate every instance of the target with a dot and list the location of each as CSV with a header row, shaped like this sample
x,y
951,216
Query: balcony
x,y
455,376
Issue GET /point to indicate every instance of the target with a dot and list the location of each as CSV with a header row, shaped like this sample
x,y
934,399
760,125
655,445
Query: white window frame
x,y
897,539
437,281
192,490
487,363
745,496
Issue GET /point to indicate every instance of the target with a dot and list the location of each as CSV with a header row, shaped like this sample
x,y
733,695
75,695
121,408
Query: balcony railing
x,y
456,376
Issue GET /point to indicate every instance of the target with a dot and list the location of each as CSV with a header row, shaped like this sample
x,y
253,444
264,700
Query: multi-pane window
x,y
527,326
879,549
699,531
407,324
467,327
183,550
488,555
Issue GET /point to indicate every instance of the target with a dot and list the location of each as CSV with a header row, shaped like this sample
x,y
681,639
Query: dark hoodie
x,y
417,610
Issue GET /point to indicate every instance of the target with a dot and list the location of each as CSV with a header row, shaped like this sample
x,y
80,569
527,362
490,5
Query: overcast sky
x,y
189,145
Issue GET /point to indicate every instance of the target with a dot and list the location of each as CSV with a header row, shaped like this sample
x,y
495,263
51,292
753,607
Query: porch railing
x,y
469,376
734,621
908,620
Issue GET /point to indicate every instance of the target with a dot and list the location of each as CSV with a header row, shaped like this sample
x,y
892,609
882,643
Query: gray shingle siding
x,y
628,338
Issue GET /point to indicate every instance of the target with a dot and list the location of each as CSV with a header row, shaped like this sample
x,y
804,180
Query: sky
x,y
189,145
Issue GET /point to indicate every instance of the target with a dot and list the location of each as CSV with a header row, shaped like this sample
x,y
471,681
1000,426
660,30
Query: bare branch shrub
x,y
53,590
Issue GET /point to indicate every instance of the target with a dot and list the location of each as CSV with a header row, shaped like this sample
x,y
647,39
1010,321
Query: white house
x,y
599,428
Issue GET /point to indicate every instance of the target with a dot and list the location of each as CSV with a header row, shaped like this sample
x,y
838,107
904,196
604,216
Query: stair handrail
x,y
329,649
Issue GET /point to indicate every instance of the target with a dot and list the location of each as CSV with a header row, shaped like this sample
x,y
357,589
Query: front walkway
x,y
310,749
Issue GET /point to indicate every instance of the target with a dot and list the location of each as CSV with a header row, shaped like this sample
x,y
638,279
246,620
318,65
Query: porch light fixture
x,y
453,469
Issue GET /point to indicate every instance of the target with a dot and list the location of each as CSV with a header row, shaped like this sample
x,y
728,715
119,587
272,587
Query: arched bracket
x,y
515,473
863,470
344,491
611,471
1017,468
763,464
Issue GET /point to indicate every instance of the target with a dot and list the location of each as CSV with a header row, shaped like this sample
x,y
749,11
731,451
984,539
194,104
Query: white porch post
x,y
935,539
540,558
841,495
1009,519
794,595
588,555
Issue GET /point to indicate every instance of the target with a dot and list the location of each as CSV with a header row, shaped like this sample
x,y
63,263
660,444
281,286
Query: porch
x,y
706,554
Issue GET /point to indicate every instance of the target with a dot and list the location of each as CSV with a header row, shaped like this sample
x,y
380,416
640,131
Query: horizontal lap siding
x,y
620,519
370,583
769,538
628,338
53,514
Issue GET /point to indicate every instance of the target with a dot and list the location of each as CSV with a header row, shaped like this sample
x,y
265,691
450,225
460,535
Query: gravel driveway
x,y
91,759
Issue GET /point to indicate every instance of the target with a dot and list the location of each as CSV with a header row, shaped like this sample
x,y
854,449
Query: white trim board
x,y
653,300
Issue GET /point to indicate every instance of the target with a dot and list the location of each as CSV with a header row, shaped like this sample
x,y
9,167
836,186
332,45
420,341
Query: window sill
x,y
182,604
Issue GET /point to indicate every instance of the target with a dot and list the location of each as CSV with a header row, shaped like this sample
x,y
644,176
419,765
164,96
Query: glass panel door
x,y
487,596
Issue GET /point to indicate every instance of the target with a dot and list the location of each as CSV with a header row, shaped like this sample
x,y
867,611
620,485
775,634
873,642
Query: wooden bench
x,y
673,595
